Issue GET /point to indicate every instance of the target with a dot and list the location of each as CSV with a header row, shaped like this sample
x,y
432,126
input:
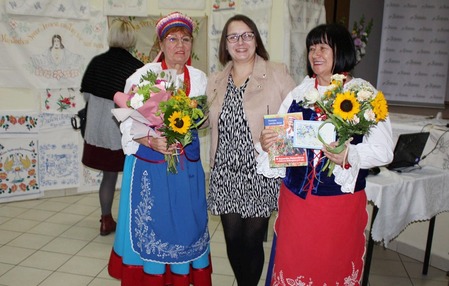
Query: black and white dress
x,y
235,186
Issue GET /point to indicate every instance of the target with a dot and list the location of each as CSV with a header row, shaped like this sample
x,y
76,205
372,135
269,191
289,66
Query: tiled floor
x,y
56,241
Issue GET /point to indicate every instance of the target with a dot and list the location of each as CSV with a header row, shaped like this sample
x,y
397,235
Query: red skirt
x,y
134,275
320,240
103,159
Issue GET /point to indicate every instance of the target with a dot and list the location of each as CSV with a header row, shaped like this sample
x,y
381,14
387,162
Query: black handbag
x,y
79,120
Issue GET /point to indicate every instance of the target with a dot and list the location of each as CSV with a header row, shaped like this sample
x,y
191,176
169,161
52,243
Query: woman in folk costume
x,y
319,232
162,236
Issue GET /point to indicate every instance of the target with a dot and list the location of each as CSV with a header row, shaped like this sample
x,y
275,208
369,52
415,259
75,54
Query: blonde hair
x,y
121,34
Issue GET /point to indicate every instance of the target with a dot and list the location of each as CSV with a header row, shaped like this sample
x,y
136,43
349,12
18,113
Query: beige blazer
x,y
269,84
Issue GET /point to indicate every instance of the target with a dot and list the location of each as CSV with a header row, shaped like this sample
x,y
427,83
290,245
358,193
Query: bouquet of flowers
x,y
352,111
158,103
180,115
360,34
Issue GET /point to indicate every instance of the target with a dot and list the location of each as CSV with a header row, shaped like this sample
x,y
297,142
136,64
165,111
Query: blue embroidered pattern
x,y
146,241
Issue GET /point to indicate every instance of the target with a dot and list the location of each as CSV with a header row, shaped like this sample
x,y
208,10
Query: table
x,y
436,150
402,198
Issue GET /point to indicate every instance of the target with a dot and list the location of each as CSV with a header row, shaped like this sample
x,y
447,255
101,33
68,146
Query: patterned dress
x,y
235,186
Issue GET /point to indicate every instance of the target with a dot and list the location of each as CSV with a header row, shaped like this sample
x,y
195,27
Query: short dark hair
x,y
341,43
223,54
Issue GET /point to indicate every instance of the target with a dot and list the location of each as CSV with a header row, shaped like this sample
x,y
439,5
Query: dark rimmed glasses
x,y
246,37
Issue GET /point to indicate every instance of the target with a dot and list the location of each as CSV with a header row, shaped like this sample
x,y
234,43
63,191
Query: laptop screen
x,y
408,150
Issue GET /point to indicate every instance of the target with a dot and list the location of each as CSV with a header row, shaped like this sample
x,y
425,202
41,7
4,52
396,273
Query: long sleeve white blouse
x,y
198,82
376,149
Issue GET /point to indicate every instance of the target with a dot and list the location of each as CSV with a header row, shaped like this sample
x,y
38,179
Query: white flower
x,y
355,120
136,101
369,115
338,77
144,83
332,87
364,95
362,50
312,96
358,56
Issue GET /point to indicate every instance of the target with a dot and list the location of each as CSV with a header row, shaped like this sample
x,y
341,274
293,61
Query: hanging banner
x,y
260,12
44,52
303,16
218,20
73,9
414,55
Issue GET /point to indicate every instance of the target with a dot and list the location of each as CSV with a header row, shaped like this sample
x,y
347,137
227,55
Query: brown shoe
x,y
107,224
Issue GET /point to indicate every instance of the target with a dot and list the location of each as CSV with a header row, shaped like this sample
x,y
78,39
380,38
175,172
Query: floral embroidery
x,y
146,240
18,169
278,279
6,121
64,102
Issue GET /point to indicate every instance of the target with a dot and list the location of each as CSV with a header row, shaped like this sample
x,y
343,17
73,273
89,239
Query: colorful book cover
x,y
306,134
283,153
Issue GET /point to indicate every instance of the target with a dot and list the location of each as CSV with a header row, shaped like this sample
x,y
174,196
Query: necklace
x,y
186,76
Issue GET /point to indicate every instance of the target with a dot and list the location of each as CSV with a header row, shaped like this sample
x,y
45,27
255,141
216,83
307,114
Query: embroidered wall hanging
x,y
19,123
18,169
59,156
44,52
303,16
125,7
61,100
182,4
74,9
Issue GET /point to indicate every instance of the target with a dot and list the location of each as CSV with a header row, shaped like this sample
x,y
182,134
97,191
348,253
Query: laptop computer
x,y
408,151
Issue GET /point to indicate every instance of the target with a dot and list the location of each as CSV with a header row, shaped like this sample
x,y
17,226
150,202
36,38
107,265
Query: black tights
x,y
106,193
244,244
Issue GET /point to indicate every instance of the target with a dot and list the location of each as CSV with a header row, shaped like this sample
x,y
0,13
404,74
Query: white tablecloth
x,y
403,198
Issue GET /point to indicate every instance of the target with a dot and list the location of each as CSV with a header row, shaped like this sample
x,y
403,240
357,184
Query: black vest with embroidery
x,y
297,178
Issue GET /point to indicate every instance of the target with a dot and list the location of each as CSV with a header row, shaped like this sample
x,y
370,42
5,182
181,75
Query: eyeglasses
x,y
174,40
234,38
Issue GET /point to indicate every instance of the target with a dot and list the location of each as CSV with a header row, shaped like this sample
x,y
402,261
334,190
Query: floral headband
x,y
174,19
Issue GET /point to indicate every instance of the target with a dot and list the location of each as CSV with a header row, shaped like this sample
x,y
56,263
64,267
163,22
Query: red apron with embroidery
x,y
320,239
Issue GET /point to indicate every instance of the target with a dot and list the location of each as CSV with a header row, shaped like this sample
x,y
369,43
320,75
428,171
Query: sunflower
x,y
380,107
346,105
179,123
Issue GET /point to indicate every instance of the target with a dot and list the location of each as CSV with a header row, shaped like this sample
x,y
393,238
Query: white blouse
x,y
376,149
198,82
